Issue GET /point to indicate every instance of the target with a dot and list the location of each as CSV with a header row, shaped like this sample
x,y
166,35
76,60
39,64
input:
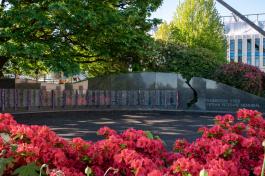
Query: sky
x,y
167,10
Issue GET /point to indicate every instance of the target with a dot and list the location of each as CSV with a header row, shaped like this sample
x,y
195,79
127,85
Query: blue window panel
x,y
249,51
240,59
249,61
240,50
232,50
249,44
257,46
257,61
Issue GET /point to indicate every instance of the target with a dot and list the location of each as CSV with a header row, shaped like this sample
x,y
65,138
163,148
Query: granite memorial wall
x,y
212,96
140,91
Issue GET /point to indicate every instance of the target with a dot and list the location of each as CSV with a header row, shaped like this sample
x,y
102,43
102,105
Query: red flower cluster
x,y
226,149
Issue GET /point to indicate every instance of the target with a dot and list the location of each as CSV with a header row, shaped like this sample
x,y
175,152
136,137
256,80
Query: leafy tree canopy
x,y
66,33
196,24
189,62
163,32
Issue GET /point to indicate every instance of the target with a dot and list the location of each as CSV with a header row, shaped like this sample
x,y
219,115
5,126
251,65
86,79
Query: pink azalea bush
x,y
242,76
228,148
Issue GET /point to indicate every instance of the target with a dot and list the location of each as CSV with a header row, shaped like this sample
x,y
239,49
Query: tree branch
x,y
91,61
76,43
85,56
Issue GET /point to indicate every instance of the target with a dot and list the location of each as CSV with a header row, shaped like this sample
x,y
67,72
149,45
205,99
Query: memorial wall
x,y
212,96
134,91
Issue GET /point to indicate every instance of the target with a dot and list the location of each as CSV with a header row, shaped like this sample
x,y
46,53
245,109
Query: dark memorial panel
x,y
99,83
225,98
133,81
166,81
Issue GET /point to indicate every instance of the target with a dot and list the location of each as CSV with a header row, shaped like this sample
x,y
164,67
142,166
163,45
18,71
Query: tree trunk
x,y
3,60
195,95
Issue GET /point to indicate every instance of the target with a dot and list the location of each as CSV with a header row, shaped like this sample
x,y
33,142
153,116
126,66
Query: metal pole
x,y
242,17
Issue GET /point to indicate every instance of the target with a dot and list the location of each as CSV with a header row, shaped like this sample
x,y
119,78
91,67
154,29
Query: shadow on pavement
x,y
167,125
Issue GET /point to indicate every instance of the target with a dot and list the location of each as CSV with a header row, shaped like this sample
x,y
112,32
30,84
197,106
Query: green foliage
x,y
64,34
163,32
196,24
34,68
28,170
149,134
4,162
103,68
189,62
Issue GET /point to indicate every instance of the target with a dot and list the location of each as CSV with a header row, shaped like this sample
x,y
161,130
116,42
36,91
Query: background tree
x,y
34,69
197,24
163,32
189,62
64,34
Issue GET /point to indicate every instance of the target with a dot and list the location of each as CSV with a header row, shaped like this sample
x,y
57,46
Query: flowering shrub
x,y
226,149
242,76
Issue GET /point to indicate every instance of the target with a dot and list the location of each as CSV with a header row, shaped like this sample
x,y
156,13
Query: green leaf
x,y
29,170
123,146
13,147
149,135
88,171
86,159
4,162
157,137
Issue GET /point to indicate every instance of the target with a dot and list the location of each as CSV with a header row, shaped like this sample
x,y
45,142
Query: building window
x,y
257,53
263,51
249,46
240,47
232,50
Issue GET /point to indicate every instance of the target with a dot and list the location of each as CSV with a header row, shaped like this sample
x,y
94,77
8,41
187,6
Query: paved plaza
x,y
168,125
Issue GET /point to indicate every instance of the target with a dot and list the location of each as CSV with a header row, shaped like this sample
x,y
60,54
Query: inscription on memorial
x,y
229,103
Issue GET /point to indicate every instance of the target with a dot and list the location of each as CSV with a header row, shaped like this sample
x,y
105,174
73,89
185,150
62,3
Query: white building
x,y
245,44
